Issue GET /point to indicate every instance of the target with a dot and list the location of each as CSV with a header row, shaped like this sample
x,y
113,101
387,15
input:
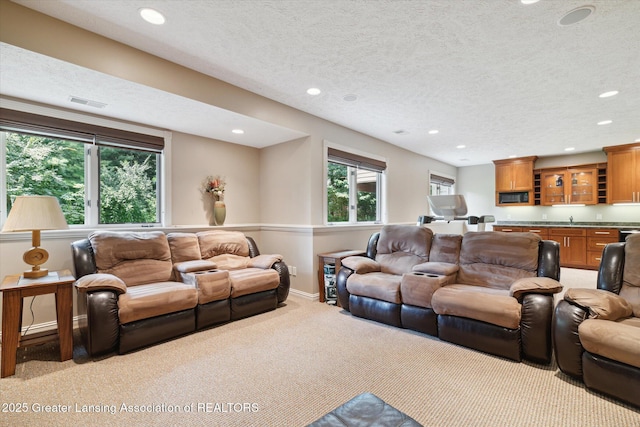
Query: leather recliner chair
x,y
596,332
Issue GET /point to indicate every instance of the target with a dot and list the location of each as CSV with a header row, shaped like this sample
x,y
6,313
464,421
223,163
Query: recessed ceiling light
x,y
314,91
529,1
608,94
576,15
433,131
637,140
461,146
605,122
238,131
569,148
350,97
400,132
513,156
152,16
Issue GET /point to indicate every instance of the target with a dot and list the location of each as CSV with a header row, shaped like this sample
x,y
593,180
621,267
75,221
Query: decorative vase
x,y
219,212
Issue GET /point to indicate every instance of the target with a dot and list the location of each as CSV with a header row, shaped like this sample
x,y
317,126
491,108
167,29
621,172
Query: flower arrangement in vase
x,y
213,186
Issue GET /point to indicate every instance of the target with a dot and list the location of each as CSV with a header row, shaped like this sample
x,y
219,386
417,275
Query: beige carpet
x,y
289,367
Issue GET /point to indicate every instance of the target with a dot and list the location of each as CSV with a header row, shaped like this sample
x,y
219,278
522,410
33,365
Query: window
x,y
440,185
354,187
98,177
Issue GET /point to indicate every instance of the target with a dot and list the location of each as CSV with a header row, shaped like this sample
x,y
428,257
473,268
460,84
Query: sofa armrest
x,y
534,285
264,261
567,347
599,304
101,282
440,268
360,264
194,266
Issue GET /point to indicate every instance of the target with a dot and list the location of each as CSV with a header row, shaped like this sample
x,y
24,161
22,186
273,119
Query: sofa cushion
x,y
155,299
441,268
136,258
493,306
631,275
378,285
184,247
217,242
230,261
400,247
211,285
446,248
497,259
417,288
252,280
614,340
264,261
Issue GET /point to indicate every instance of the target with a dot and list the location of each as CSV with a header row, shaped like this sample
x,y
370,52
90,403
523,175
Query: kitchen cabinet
x,y
597,239
573,245
507,229
577,185
514,174
623,173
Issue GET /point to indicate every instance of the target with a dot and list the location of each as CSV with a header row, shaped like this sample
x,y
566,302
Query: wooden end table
x,y
332,258
14,288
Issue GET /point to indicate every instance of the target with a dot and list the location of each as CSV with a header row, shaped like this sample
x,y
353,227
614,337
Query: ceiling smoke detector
x,y
576,15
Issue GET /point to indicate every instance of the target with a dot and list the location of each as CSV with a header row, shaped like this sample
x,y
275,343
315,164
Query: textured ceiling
x,y
499,77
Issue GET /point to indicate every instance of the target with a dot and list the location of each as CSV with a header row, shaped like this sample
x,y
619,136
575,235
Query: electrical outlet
x,y
598,216
544,216
293,271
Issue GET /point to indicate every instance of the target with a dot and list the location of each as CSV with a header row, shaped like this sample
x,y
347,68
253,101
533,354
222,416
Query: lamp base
x,y
35,274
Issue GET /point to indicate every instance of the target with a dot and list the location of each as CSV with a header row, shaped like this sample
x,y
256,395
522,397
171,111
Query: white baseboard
x,y
43,327
305,295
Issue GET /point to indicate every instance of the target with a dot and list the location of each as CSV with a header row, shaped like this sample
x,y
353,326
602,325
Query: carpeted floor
x,y
289,367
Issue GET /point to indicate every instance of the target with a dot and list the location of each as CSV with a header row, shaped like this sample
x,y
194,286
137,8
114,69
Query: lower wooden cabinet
x,y
597,239
579,247
573,246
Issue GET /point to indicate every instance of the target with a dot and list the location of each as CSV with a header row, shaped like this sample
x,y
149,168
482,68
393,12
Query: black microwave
x,y
514,197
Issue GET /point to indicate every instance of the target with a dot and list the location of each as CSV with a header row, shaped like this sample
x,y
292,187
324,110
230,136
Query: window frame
x,y
111,133
353,191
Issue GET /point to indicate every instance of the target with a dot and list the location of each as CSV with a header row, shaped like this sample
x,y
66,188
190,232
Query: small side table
x,y
332,258
14,288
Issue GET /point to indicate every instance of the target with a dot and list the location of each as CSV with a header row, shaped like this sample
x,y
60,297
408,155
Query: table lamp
x,y
35,213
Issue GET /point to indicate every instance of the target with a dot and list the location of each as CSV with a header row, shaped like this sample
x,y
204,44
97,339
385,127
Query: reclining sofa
x,y
489,291
596,332
138,289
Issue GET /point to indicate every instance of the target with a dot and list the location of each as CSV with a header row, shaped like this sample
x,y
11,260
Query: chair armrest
x,y
101,282
600,304
194,266
264,261
360,264
534,285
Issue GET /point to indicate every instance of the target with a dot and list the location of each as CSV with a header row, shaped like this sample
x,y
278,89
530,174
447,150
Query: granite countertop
x,y
595,224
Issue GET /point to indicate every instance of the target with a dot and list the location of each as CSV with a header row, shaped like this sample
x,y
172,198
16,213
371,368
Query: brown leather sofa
x,y
596,332
138,289
490,291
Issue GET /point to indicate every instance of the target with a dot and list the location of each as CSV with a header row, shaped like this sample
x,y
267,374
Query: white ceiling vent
x,y
87,102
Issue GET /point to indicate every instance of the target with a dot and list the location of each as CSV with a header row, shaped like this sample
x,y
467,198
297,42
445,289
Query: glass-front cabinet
x,y
569,186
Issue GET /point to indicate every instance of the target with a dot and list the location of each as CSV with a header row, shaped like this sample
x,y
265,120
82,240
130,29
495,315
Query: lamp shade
x,y
30,213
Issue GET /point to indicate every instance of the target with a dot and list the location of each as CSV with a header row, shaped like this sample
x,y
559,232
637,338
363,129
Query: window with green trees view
x,y
94,184
354,188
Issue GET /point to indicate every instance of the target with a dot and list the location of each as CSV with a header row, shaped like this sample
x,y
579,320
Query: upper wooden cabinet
x,y
514,174
578,185
623,173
